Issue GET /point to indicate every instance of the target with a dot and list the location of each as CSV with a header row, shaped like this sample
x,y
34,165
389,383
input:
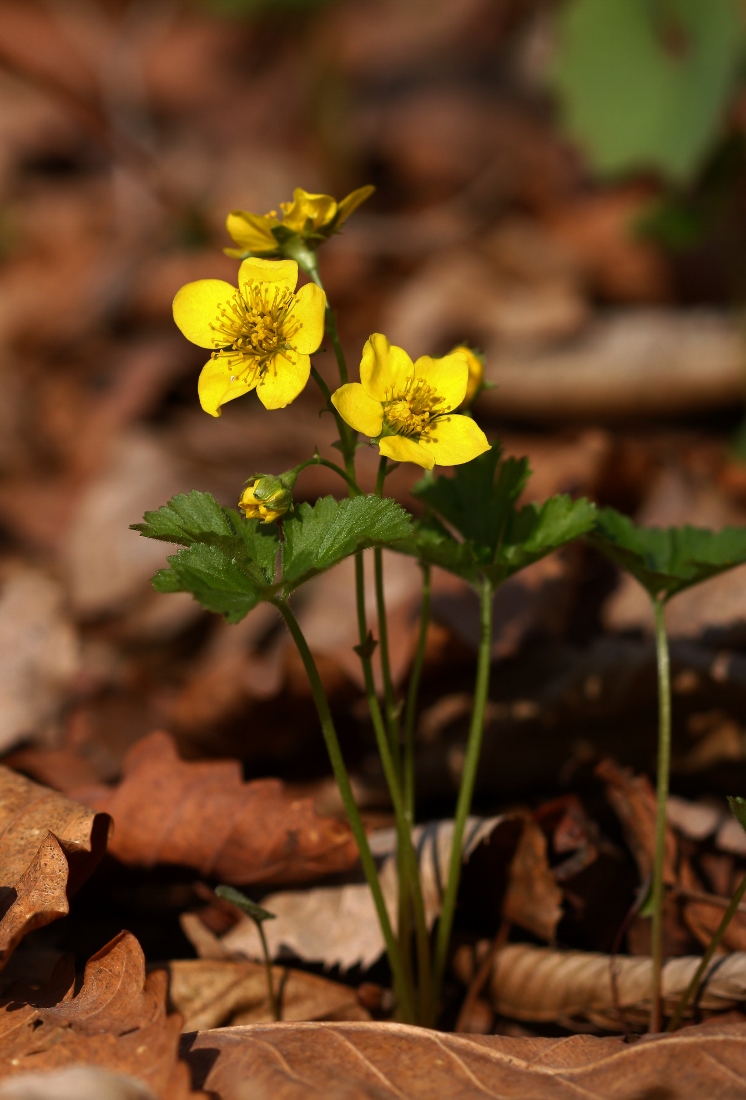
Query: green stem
x,y
331,326
410,714
403,987
317,460
273,1002
408,868
468,778
664,768
391,709
712,947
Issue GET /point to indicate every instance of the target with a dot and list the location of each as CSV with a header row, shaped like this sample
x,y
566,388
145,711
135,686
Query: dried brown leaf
x,y
358,1061
203,815
212,993
49,845
117,1021
542,984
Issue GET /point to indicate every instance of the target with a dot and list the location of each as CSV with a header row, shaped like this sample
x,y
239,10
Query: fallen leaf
x,y
372,1061
543,984
74,1083
39,653
203,815
337,925
117,1021
49,845
216,993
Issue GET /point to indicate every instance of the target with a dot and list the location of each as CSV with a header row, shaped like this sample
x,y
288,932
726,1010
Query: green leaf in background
x,y
319,536
497,539
666,560
738,806
644,83
215,580
249,907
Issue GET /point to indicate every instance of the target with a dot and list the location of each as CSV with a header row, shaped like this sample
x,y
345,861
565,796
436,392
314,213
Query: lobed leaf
x,y
319,536
497,540
666,560
186,519
216,580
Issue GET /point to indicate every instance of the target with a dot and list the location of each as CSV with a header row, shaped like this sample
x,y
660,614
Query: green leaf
x,y
644,83
187,518
216,580
666,560
256,912
497,539
319,536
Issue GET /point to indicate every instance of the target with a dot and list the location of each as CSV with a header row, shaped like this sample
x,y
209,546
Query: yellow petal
x,y
253,232
197,306
279,273
403,449
350,204
285,377
360,411
453,440
307,311
219,383
448,377
319,208
384,368
476,371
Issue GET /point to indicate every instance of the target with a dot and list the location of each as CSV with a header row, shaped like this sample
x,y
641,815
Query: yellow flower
x,y
263,333
313,217
475,363
406,408
266,498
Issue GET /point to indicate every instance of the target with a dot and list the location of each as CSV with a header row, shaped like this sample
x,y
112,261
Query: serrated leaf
x,y
187,518
666,560
216,580
498,540
480,496
644,84
319,536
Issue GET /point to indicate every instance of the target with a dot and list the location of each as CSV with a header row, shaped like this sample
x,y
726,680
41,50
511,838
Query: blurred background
x,y
558,182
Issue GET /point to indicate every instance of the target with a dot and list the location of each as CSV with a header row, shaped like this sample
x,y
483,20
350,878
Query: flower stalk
x,y
664,770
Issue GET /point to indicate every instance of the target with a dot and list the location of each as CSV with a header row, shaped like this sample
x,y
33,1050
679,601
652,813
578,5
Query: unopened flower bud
x,y
267,497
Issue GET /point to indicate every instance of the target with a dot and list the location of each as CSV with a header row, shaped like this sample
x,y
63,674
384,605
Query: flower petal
x,y
319,208
307,311
219,383
448,377
285,377
350,204
384,367
403,449
359,410
279,273
197,307
454,439
253,232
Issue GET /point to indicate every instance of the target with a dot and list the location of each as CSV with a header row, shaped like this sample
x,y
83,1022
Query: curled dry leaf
x,y
338,926
542,984
49,845
203,815
359,1061
215,993
117,1021
74,1083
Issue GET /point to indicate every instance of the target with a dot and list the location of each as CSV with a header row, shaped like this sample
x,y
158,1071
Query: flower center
x,y
255,325
412,409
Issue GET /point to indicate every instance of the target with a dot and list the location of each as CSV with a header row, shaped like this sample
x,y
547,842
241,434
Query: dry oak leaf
x,y
49,845
216,992
117,1021
203,815
359,1061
